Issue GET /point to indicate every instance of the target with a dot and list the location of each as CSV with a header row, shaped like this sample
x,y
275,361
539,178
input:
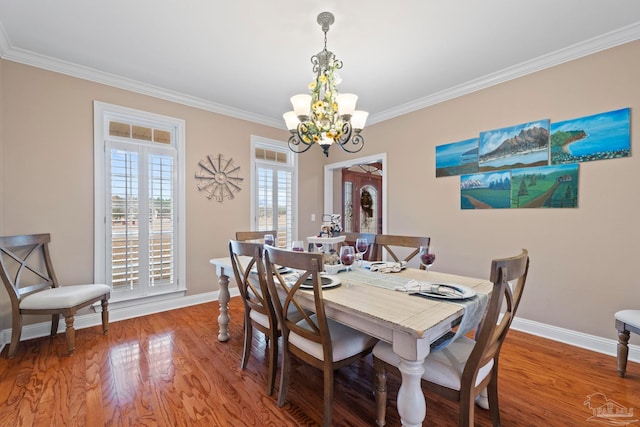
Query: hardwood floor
x,y
169,369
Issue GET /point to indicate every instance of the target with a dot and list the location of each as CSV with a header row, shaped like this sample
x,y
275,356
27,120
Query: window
x,y
139,202
273,189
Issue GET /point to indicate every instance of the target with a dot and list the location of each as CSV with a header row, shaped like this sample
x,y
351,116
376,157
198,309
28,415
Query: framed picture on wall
x,y
598,137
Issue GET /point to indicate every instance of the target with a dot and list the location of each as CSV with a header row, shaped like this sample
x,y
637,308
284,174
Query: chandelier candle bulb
x,y
325,116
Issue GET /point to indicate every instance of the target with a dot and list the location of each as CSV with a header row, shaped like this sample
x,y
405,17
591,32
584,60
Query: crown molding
x,y
588,47
579,50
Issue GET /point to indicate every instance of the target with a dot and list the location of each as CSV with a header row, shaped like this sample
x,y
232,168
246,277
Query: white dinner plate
x,y
467,293
328,281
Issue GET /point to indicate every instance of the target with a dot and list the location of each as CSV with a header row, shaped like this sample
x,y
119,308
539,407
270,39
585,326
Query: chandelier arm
x,y
297,145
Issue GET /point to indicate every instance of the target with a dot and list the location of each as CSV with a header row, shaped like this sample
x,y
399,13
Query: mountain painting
x,y
598,137
457,158
519,146
545,187
490,190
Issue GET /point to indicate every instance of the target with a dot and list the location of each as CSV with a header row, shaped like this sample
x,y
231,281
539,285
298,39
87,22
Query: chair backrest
x,y
309,265
254,235
372,254
390,244
249,270
491,332
25,265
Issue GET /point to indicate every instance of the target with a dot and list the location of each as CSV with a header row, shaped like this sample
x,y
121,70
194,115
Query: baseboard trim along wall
x,y
567,336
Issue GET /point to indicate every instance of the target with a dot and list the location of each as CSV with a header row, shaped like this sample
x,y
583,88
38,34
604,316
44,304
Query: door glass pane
x,y
348,206
368,209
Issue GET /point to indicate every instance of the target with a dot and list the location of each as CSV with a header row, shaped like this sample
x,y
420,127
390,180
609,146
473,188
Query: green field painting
x,y
545,187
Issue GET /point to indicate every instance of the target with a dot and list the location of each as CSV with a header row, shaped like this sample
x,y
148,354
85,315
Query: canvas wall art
x,y
520,146
545,187
457,158
597,137
490,190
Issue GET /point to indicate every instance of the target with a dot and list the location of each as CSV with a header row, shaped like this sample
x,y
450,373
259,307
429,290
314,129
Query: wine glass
x,y
347,256
361,247
427,258
269,240
297,246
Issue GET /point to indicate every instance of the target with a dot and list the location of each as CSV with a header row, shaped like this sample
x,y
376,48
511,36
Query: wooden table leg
x,y
412,406
223,298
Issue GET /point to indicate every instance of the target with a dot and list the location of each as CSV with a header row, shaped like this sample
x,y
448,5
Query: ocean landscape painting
x,y
490,190
597,137
520,146
457,158
545,187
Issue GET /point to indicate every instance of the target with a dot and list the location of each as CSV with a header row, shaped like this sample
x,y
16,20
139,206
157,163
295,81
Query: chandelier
x,y
324,116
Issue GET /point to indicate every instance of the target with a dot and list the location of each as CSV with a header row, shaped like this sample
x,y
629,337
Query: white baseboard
x,y
43,329
578,339
567,336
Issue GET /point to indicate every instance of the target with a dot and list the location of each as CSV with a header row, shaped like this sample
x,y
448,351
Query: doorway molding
x,y
332,167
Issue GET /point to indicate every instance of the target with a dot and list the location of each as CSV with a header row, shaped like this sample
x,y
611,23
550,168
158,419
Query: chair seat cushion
x,y
263,319
63,297
345,341
630,317
443,367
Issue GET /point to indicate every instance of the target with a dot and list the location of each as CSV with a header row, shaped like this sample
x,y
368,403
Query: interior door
x,y
362,199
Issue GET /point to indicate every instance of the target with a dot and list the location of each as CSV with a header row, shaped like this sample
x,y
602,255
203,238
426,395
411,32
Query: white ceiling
x,y
245,58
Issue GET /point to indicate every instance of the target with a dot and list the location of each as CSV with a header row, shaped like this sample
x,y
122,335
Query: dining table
x,y
372,302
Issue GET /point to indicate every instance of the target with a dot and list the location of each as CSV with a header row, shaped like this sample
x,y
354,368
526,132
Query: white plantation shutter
x,y
161,220
140,179
274,204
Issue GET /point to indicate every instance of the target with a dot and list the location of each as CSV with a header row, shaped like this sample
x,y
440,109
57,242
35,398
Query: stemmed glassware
x,y
297,246
427,257
347,256
361,247
269,240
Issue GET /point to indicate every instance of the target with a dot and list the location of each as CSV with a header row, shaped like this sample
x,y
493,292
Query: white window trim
x,y
278,145
100,132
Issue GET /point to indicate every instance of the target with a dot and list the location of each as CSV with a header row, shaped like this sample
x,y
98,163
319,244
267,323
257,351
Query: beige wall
x,y
47,169
583,260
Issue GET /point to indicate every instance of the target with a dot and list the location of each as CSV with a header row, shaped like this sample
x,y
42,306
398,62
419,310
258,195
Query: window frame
x,y
103,114
291,165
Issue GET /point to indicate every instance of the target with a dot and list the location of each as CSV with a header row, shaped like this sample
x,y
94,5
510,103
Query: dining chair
x,y
249,271
321,342
27,273
391,244
372,253
627,321
254,235
466,367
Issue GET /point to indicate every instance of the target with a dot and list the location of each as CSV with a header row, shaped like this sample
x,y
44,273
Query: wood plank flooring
x,y
169,369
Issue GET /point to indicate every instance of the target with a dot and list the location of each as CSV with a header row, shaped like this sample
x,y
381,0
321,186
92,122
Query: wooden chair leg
x,y
492,395
327,406
55,321
466,411
248,340
70,334
105,316
623,352
284,376
381,391
272,342
16,332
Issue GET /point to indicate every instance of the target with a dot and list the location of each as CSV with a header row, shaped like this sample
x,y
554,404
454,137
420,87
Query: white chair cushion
x,y
345,341
442,367
294,315
630,317
63,297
